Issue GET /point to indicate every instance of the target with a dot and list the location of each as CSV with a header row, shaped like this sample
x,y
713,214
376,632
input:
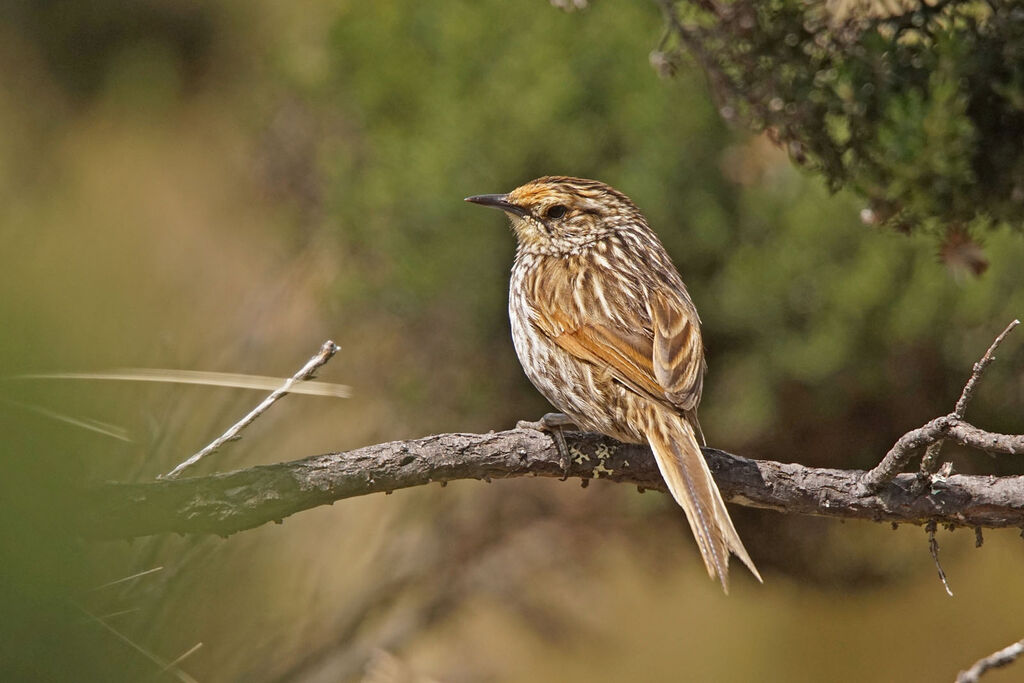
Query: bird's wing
x,y
660,356
678,350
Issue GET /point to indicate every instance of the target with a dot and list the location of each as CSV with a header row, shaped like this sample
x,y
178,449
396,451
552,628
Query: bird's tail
x,y
674,442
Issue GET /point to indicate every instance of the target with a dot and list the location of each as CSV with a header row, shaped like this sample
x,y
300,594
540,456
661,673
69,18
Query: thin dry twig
x,y
307,371
933,548
979,369
949,426
1007,655
930,461
945,427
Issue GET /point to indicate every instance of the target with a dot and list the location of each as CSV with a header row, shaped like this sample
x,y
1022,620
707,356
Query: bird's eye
x,y
556,211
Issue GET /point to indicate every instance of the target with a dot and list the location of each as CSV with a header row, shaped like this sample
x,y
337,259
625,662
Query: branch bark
x,y
1008,655
229,502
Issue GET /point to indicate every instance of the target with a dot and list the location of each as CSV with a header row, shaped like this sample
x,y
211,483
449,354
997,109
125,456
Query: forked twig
x,y
307,371
930,461
948,426
932,436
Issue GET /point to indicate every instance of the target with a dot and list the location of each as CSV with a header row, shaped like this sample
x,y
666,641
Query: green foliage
x,y
920,111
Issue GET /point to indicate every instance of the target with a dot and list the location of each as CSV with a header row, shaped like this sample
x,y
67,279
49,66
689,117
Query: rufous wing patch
x,y
626,354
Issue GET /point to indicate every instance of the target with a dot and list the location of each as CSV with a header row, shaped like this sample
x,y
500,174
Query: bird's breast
x,y
584,391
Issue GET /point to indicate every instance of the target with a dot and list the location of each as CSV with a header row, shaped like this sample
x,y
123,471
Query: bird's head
x,y
559,215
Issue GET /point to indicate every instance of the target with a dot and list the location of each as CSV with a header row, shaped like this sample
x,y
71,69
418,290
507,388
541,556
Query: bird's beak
x,y
498,201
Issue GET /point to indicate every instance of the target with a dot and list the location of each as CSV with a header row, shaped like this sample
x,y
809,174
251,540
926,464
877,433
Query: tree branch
x,y
233,501
1007,655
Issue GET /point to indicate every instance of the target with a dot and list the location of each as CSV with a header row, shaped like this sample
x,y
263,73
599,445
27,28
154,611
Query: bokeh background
x,y
222,186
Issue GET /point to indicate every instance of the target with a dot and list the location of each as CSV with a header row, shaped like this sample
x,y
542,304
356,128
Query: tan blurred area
x,y
225,187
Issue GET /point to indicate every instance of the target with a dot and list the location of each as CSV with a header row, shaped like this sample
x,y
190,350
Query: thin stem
x,y
307,371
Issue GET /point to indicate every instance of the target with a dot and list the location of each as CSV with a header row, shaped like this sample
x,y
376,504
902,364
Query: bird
x,y
606,330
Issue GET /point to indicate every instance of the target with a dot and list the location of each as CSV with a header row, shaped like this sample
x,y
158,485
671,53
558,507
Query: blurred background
x,y
223,186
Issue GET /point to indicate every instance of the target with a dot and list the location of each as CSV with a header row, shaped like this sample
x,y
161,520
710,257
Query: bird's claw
x,y
554,424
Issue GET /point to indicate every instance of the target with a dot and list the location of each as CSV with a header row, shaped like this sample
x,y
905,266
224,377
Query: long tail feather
x,y
682,465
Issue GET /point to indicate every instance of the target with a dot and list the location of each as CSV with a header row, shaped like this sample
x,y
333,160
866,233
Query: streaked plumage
x,y
605,329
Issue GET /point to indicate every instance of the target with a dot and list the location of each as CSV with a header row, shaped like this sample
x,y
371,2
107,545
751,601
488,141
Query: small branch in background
x,y
933,548
930,461
1007,655
949,426
307,371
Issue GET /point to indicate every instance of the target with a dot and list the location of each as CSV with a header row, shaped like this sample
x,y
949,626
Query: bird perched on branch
x,y
605,329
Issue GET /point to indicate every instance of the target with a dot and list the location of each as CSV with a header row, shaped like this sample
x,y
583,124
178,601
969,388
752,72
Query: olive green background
x,y
224,186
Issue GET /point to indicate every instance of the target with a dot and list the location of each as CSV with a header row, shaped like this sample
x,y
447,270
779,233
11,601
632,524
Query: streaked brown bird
x,y
605,329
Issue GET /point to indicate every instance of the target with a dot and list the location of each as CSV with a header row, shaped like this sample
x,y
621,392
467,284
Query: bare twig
x,y
949,426
933,548
933,435
1007,655
901,452
979,369
307,371
945,427
930,461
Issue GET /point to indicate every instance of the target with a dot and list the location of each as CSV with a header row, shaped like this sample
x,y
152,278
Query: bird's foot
x,y
554,424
